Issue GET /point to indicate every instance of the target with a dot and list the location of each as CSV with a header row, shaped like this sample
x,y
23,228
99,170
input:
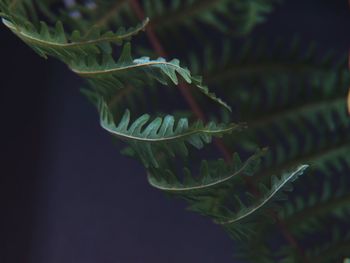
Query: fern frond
x,y
301,116
165,134
277,185
323,118
241,223
110,74
215,193
59,44
299,145
83,57
212,175
310,124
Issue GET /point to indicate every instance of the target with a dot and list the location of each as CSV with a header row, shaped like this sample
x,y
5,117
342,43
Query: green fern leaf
x,y
113,75
212,175
268,194
55,42
83,57
163,133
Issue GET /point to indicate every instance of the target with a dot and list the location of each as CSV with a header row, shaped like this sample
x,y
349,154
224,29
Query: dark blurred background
x,y
67,195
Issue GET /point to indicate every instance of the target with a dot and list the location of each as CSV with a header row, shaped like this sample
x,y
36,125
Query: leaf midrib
x,y
203,186
46,43
264,199
122,68
169,138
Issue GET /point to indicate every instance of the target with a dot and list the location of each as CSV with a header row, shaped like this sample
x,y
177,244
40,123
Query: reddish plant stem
x,y
184,88
158,48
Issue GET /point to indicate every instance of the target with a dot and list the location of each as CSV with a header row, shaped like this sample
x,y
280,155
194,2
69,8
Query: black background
x,y
67,195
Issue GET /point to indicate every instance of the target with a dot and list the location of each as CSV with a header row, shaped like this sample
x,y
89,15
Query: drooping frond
x,y
213,175
91,58
112,74
60,44
262,203
161,135
216,191
277,184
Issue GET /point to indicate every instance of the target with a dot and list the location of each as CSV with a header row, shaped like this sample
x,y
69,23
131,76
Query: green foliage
x,y
68,48
293,101
91,57
213,176
116,75
300,113
267,194
165,134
